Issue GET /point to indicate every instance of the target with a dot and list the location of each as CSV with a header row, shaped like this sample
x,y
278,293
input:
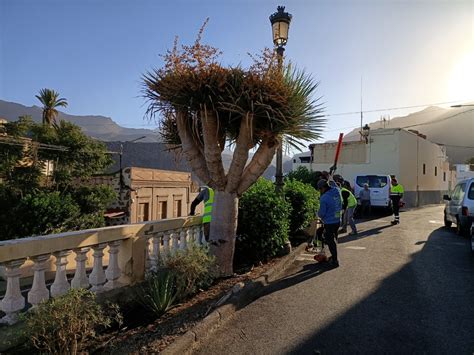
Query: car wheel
x,y
447,223
460,229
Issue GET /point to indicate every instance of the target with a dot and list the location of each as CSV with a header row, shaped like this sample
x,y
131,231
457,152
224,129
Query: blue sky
x,y
94,51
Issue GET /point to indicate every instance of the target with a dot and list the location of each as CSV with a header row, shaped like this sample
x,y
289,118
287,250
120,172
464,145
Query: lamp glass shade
x,y
280,32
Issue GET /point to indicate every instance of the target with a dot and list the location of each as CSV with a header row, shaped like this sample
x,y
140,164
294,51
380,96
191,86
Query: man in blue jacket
x,y
330,213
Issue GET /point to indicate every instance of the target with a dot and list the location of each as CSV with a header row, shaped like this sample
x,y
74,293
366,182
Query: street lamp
x,y
280,21
365,133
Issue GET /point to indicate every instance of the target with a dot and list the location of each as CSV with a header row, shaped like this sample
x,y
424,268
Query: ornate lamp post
x,y
280,21
365,133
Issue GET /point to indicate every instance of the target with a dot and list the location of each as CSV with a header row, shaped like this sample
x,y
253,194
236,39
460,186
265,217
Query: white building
x,y
464,171
420,166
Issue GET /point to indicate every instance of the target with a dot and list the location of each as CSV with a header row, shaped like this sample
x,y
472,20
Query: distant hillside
x,y
453,127
100,127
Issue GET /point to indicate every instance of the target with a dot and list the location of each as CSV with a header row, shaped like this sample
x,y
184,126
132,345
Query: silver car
x,y
459,207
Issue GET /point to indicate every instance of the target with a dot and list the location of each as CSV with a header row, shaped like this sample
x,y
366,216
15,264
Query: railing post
x,y
113,271
175,238
183,245
80,279
166,244
197,235
155,251
60,285
203,236
97,277
39,291
13,302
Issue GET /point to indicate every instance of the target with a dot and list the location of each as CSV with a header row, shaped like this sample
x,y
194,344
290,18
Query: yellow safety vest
x,y
351,201
397,190
206,218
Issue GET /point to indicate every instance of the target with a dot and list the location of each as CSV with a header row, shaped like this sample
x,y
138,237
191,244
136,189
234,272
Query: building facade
x,y
148,194
420,166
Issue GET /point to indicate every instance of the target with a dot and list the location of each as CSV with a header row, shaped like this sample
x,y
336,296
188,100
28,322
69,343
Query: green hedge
x,y
263,223
304,200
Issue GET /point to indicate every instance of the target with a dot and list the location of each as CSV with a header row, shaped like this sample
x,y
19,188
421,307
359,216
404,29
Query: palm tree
x,y
50,100
206,106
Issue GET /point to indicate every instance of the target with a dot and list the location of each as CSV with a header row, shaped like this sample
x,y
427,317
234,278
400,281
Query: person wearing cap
x,y
330,213
364,198
206,194
396,194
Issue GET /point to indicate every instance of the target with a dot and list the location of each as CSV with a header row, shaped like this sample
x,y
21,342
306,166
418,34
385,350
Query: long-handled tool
x,y
336,157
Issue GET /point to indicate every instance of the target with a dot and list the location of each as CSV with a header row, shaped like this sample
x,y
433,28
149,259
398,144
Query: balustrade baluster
x,y
80,279
97,277
203,236
113,271
183,245
60,285
39,291
175,239
13,302
155,251
197,235
166,244
189,237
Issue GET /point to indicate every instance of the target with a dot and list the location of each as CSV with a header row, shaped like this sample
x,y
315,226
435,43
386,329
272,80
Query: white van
x,y
379,186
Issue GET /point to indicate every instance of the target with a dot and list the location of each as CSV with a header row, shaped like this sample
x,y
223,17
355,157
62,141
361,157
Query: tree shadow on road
x,y
425,307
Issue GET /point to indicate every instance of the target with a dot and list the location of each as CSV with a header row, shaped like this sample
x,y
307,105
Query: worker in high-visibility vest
x,y
396,194
206,194
349,204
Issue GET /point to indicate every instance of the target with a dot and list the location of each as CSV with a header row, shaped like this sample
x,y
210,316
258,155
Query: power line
x,y
392,108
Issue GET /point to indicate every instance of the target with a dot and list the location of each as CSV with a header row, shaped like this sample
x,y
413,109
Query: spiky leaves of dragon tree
x,y
50,100
205,105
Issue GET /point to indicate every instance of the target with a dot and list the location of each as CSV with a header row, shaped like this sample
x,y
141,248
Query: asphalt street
x,y
399,289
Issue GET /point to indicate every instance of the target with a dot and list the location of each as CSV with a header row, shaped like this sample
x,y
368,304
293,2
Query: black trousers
x,y
330,235
396,206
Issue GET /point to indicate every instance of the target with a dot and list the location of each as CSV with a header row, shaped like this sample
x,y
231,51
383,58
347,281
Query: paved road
x,y
399,289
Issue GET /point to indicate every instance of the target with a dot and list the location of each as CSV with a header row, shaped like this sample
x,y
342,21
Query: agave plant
x,y
205,106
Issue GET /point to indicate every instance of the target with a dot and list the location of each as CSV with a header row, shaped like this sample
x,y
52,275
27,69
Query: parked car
x,y
459,208
379,186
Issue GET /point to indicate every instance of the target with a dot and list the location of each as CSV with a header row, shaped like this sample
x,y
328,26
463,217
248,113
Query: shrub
x,y
304,200
159,292
304,175
62,325
263,223
194,269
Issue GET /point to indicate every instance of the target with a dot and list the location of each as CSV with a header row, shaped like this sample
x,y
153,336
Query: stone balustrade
x,y
132,250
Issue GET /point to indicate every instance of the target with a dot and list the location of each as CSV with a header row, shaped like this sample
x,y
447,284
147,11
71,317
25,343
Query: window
x,y
424,169
143,212
444,176
162,209
305,159
459,191
177,208
470,195
373,181
436,171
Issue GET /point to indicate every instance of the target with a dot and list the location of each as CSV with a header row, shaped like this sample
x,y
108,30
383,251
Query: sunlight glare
x,y
461,81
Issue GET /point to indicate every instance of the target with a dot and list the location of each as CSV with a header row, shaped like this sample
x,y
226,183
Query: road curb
x,y
238,297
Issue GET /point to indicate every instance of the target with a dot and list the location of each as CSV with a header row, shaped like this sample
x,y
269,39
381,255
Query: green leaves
x,y
263,223
50,100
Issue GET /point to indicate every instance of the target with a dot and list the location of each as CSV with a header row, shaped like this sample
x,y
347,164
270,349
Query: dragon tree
x,y
205,106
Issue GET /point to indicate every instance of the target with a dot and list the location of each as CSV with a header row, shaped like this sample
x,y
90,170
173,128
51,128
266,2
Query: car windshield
x,y
374,181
